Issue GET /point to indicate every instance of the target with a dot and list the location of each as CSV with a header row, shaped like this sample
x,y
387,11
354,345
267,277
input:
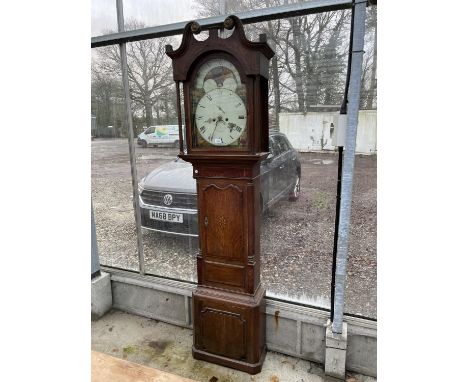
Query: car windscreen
x,y
278,147
275,149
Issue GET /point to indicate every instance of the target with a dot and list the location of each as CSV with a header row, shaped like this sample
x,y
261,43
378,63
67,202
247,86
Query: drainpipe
x,y
358,22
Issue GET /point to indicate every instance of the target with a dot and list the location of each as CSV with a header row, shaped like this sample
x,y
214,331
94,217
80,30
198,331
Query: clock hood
x,y
253,55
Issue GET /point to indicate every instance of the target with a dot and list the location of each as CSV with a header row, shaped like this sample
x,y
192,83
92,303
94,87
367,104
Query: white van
x,y
160,135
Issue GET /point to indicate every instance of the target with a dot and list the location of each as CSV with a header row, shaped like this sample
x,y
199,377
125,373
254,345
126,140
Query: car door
x,y
280,163
150,135
269,188
289,169
274,168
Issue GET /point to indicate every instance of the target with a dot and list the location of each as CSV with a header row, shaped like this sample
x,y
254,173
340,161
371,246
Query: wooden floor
x,y
105,368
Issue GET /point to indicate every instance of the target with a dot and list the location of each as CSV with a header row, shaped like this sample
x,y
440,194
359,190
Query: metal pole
x,y
337,219
343,110
179,117
358,20
131,147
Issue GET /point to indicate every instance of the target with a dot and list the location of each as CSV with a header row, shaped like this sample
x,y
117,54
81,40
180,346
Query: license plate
x,y
166,216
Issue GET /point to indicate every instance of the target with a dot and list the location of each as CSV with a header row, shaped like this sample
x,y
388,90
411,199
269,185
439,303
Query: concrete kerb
x,y
292,329
335,351
101,295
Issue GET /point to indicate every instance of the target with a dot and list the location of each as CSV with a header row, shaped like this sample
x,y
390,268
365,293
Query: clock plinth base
x,y
229,328
251,368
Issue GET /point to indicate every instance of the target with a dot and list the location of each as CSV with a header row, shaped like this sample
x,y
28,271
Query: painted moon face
x,y
218,70
209,85
230,83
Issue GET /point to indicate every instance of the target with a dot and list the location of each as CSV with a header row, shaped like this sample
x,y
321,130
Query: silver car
x,y
168,198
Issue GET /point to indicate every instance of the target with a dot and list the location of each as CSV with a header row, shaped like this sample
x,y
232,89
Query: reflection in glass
x,y
167,191
103,17
157,12
110,170
306,85
168,205
361,284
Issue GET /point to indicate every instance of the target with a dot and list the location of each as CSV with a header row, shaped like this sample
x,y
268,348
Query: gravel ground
x,y
296,241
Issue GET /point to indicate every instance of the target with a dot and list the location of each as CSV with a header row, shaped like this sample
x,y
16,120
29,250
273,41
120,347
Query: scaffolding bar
x,y
131,143
358,20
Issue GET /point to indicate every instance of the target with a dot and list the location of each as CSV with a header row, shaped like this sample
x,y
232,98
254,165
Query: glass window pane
x,y
307,79
369,64
206,8
103,17
361,287
361,282
149,13
110,164
167,188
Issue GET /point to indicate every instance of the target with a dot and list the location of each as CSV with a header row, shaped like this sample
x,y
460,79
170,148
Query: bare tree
x,y
314,57
107,102
372,27
148,70
309,67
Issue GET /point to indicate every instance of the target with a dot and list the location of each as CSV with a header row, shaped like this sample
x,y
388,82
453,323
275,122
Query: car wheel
x,y
144,144
294,194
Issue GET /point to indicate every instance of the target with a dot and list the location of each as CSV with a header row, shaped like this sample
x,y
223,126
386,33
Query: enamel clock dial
x,y
219,112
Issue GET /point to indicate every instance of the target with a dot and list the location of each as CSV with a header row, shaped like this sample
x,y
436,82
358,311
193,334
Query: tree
x,y
309,66
149,70
107,102
372,29
314,57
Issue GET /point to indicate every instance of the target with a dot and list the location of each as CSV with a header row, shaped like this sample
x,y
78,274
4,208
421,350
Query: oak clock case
x,y
225,83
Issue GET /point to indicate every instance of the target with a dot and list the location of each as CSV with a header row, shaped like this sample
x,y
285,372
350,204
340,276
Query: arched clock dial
x,y
217,73
220,117
219,109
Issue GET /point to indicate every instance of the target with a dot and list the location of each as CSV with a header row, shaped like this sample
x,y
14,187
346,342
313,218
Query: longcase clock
x,y
225,90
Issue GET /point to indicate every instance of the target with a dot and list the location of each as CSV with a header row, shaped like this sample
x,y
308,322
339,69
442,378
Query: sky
x,y
151,12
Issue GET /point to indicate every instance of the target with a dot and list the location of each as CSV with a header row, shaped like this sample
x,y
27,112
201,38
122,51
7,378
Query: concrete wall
x,y
311,131
291,329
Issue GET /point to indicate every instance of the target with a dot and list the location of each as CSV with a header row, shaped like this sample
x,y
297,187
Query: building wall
x,y
311,131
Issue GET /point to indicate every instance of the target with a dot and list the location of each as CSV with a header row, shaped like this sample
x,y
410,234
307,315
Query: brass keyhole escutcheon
x,y
206,221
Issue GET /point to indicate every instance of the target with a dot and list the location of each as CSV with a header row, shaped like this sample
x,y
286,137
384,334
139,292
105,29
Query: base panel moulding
x,y
229,328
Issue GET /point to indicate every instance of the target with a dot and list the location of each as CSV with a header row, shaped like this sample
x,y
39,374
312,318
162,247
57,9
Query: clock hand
x,y
211,136
221,109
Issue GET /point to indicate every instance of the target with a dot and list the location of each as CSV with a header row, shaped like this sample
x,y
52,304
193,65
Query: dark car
x,y
168,199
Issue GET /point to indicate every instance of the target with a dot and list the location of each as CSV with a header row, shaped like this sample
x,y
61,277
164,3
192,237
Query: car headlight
x,y
140,186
